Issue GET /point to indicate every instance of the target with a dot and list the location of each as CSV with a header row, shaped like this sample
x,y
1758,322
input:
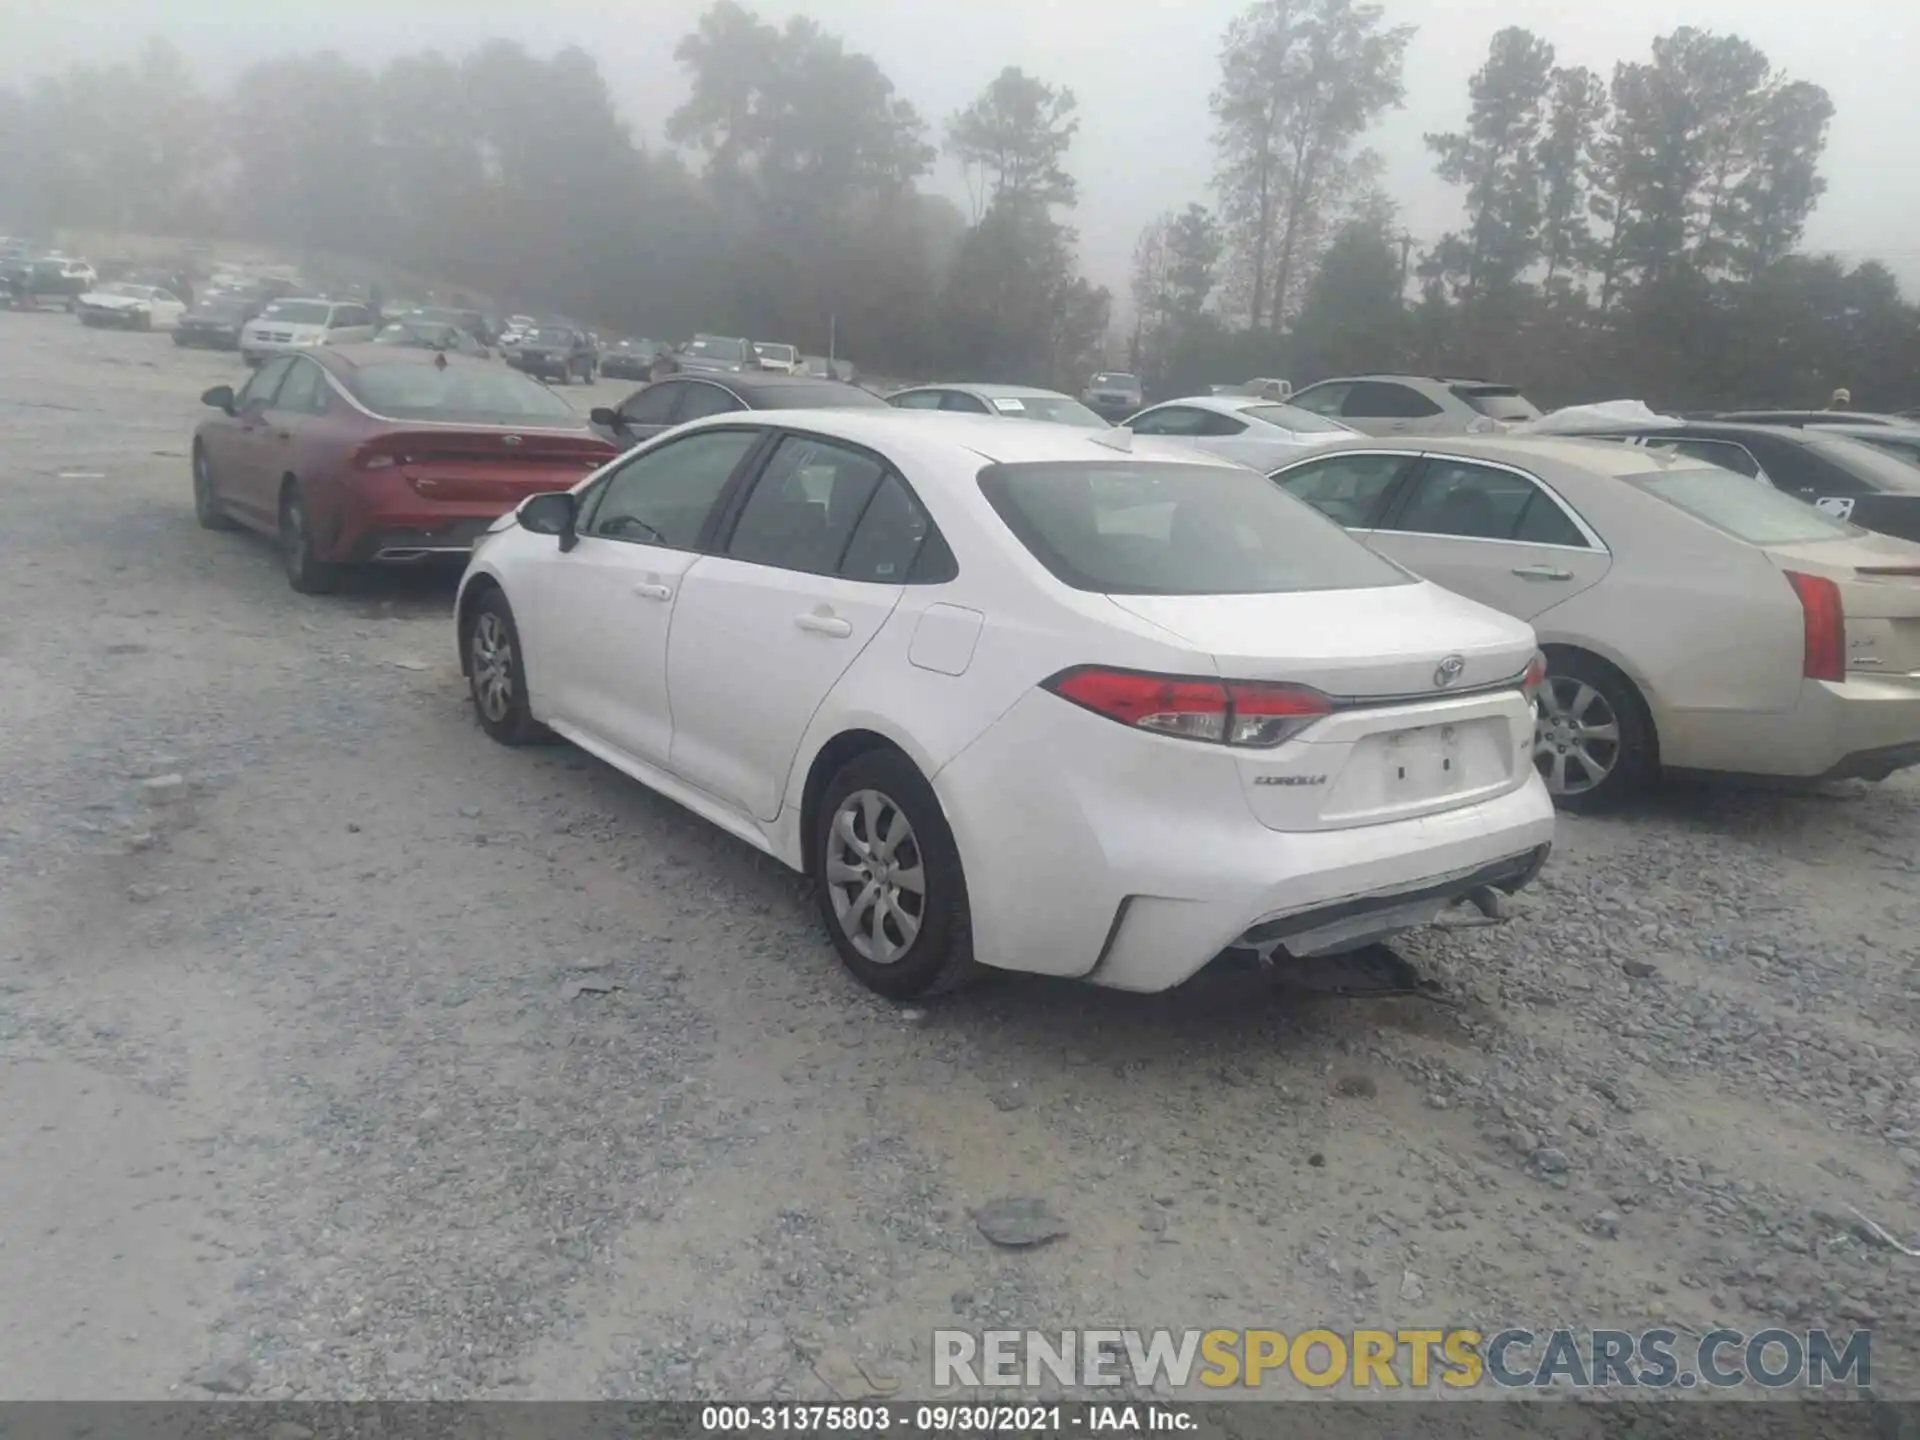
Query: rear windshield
x,y
1134,528
1055,409
1898,443
1876,467
1746,509
1497,402
778,352
298,312
1292,417
707,348
477,392
1127,380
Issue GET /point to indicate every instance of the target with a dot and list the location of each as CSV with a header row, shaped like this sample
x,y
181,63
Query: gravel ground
x,y
301,1094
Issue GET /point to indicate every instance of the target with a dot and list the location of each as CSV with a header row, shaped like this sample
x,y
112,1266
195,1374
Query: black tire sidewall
x,y
206,504
942,952
518,726
313,575
1635,767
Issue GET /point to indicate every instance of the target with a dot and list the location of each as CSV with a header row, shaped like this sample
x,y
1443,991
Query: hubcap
x,y
1576,736
492,664
876,876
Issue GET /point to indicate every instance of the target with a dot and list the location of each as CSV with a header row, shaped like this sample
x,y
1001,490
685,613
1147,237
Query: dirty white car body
x,y
1115,766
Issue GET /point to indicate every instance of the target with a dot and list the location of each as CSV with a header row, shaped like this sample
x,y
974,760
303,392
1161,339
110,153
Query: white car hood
x,y
113,302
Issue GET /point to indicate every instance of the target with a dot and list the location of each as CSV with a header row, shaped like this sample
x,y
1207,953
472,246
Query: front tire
x,y
888,879
497,673
1593,740
207,506
307,573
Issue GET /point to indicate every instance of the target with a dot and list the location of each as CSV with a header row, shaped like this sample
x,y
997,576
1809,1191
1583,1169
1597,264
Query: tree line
x,y
1632,235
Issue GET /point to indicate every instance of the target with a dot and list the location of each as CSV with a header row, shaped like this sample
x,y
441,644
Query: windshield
x,y
131,292
1292,417
1876,467
547,335
298,312
708,348
1746,509
475,391
1138,528
1498,402
1056,409
775,352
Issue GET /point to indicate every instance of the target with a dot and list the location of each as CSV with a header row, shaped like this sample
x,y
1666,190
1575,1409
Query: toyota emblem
x,y
509,439
1448,670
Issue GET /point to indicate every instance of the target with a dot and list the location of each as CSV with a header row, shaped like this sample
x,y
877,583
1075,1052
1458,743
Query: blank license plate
x,y
1424,763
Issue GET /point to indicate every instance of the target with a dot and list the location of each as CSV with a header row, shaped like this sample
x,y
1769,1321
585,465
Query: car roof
x,y
1601,457
992,438
1419,380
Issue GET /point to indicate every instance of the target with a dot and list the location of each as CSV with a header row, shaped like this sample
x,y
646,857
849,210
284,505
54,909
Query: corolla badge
x,y
1448,670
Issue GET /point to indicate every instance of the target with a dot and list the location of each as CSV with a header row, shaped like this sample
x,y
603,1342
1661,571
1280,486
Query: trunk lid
x,y
493,467
1402,741
1879,580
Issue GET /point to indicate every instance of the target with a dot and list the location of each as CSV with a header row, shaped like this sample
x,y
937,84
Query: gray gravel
x,y
346,1054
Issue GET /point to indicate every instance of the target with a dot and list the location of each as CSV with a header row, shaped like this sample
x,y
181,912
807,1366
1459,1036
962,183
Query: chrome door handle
x,y
824,625
651,591
1541,572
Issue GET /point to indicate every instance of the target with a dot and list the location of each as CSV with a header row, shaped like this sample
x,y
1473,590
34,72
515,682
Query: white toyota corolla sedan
x,y
1018,695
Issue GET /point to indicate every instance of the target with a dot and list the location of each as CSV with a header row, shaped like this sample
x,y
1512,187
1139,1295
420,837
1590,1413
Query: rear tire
x,y
1594,742
306,572
898,941
497,674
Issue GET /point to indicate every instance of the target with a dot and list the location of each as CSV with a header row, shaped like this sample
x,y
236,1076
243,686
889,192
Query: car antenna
x,y
1119,437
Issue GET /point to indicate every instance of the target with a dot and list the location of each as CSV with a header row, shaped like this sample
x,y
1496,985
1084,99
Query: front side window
x,y
298,312
1145,528
1474,502
664,496
653,405
1347,489
259,390
304,392
708,400
805,506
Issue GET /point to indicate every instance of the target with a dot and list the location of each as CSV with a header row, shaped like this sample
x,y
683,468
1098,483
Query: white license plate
x,y
1424,763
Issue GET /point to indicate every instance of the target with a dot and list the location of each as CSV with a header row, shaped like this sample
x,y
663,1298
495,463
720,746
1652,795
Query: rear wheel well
x,y
1646,710
482,586
835,754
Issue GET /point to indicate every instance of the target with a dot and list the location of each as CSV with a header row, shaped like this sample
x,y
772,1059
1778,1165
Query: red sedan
x,y
356,455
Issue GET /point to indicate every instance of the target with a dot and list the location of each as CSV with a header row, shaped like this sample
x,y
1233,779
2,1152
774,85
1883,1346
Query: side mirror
x,y
605,415
220,397
551,514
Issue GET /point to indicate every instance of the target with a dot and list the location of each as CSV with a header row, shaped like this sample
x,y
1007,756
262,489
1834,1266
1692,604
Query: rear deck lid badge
x,y
1448,670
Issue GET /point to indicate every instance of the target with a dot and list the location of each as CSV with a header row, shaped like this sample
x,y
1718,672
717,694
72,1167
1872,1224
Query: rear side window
x,y
1292,417
1137,528
916,400
1497,402
888,540
1347,489
1737,506
803,511
1474,502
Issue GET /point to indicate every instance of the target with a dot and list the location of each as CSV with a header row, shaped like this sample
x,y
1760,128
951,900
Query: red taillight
x,y
1825,623
1535,676
1245,713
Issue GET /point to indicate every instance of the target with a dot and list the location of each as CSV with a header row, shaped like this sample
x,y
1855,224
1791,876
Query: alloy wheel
x,y
491,661
876,876
1576,736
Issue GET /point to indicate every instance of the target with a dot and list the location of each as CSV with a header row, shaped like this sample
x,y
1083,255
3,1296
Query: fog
x,y
1141,69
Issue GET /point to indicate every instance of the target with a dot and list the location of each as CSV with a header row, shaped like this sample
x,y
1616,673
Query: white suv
x,y
292,325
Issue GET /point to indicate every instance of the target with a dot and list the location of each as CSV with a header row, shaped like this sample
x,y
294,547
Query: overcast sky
x,y
1142,70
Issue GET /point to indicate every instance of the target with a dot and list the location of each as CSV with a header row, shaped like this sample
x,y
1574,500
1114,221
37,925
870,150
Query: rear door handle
x,y
652,591
1541,572
825,625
